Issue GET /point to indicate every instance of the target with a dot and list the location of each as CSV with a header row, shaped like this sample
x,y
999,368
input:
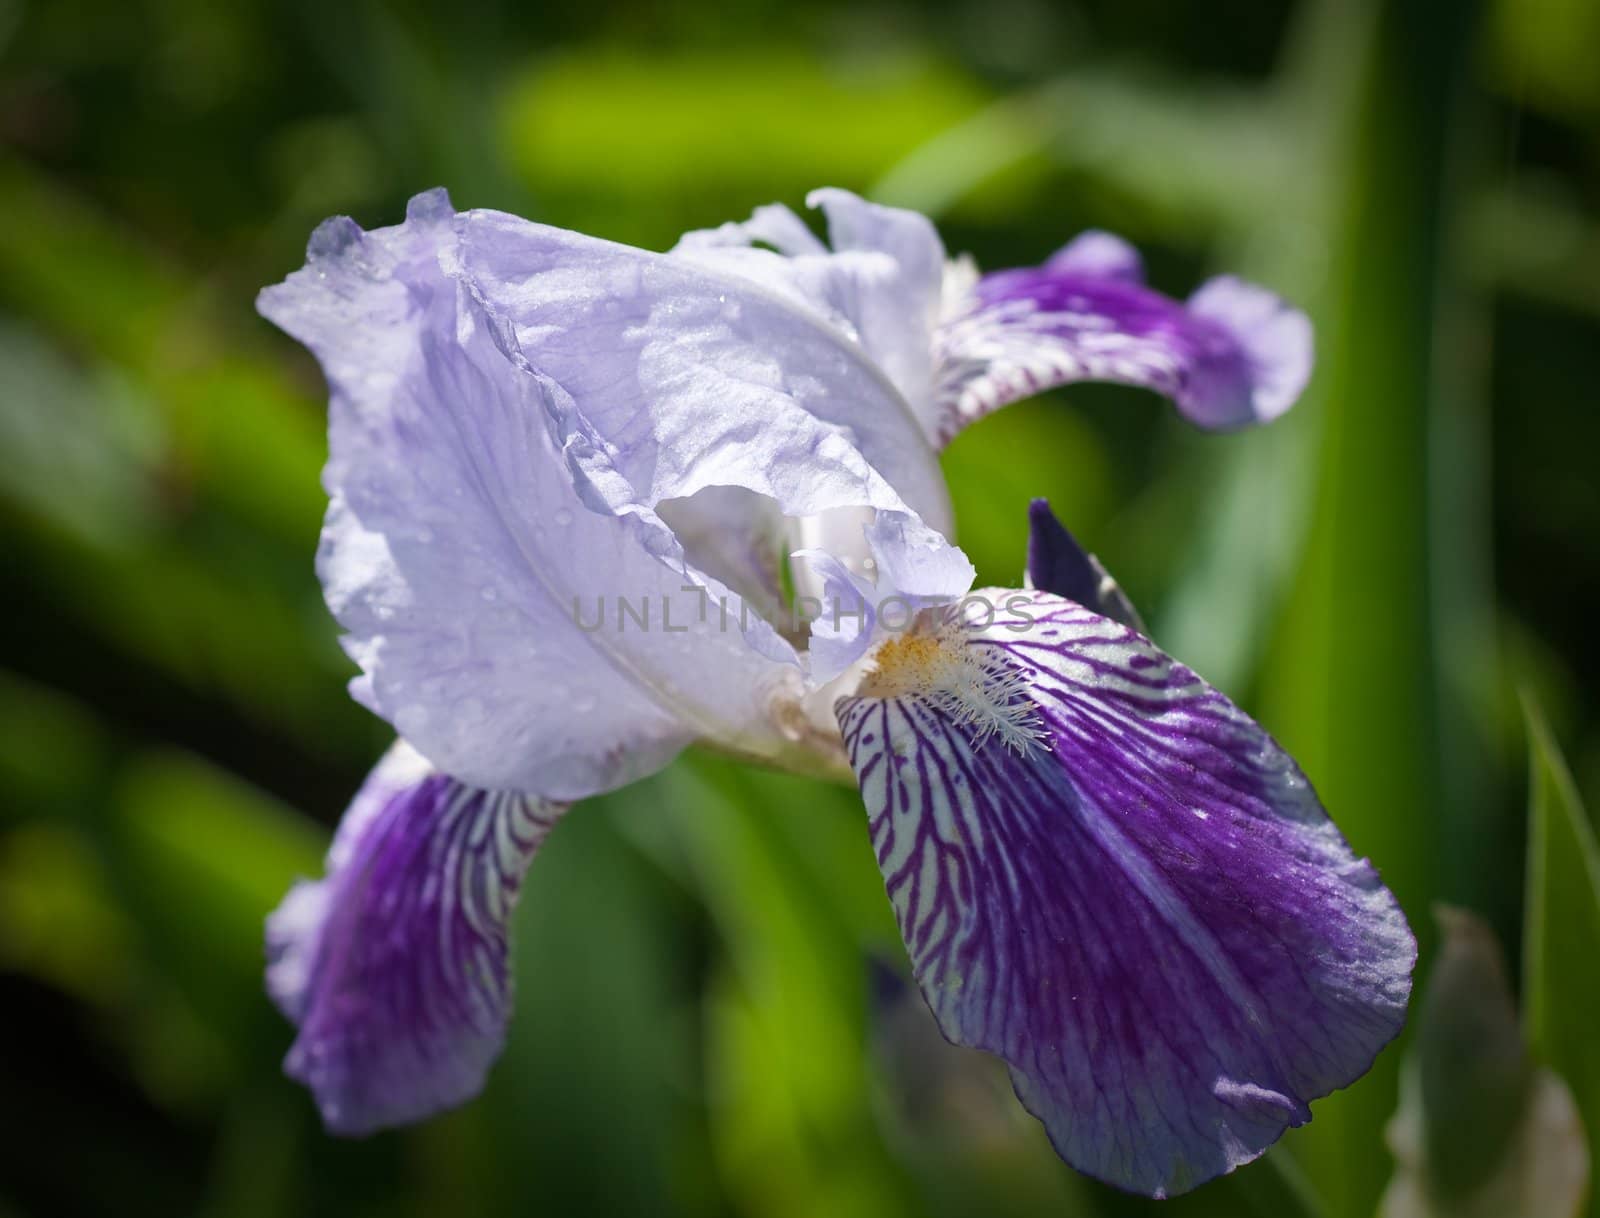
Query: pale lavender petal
x,y
1234,355
896,294
913,561
1144,911
1101,254
1277,345
394,967
735,536
1058,564
845,620
685,376
518,638
773,224
879,283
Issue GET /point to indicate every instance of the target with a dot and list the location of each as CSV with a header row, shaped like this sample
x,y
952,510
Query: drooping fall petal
x,y
1111,877
393,967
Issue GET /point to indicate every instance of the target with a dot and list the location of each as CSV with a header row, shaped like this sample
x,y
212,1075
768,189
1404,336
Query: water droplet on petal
x,y
563,517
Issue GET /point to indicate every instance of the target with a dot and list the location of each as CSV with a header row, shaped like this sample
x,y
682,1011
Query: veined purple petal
x,y
1234,355
394,966
1058,564
1143,908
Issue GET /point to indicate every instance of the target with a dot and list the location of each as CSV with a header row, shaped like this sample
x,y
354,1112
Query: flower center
x,y
967,679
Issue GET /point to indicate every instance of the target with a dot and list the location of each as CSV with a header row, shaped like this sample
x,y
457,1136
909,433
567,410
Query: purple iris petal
x,y
894,295
1144,911
958,346
1099,254
394,966
845,620
1058,564
879,282
1235,354
518,637
915,569
685,375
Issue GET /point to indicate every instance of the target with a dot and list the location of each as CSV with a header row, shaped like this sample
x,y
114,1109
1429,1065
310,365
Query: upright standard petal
x,y
879,280
685,376
516,637
1139,904
394,966
685,379
1234,355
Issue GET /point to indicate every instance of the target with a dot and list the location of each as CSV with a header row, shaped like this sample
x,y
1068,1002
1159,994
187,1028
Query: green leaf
x,y
726,132
1041,447
1354,684
197,858
232,422
59,921
1542,53
786,1016
1561,929
52,750
602,1045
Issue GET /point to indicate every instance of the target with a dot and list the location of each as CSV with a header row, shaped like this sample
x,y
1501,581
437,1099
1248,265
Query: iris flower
x,y
572,486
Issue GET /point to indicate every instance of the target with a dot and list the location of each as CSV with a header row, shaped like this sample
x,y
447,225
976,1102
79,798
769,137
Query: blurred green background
x,y
712,1012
